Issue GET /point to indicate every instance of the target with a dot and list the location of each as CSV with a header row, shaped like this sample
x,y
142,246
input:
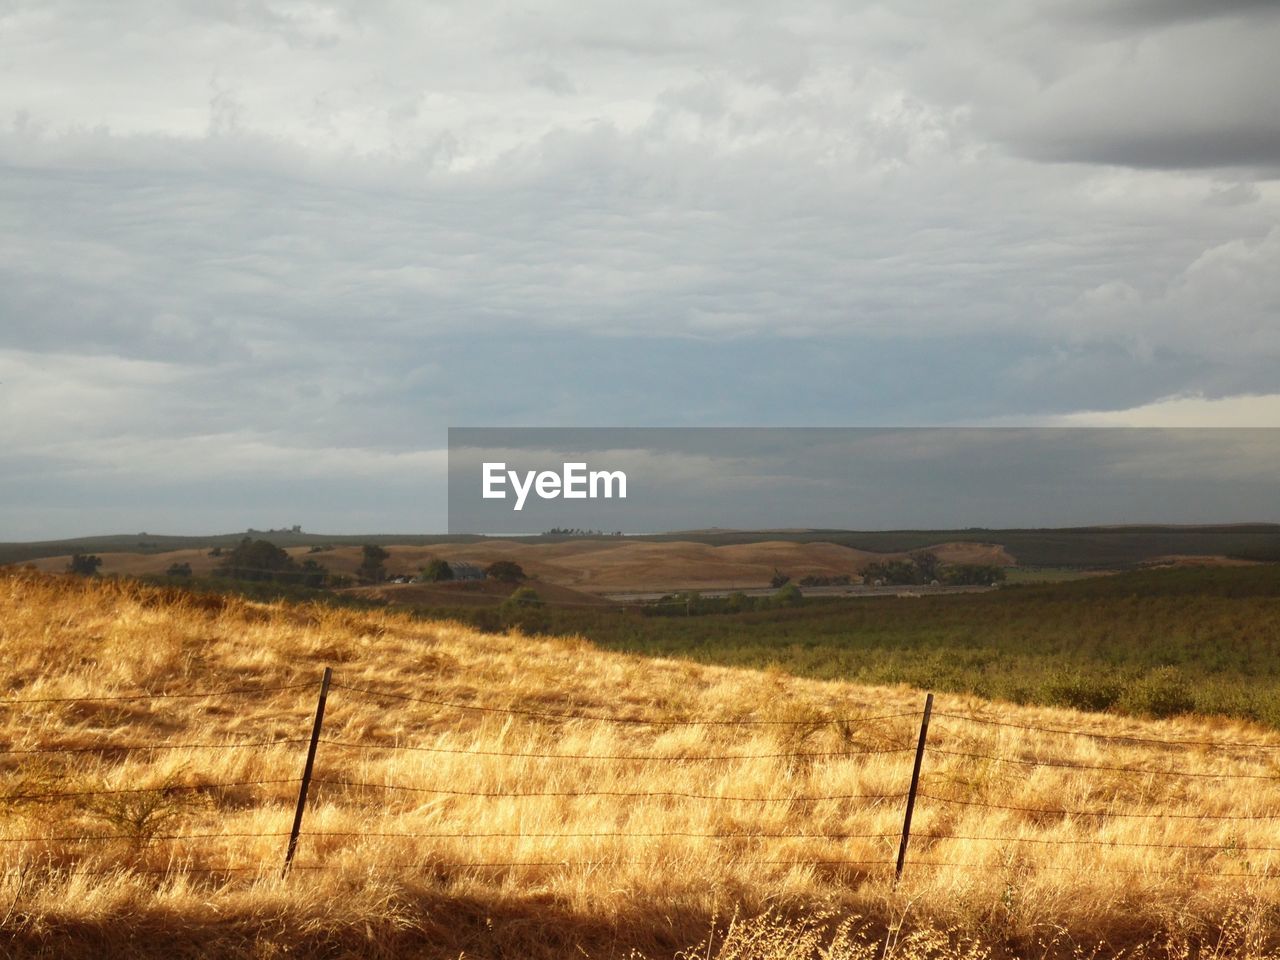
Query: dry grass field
x,y
599,565
469,803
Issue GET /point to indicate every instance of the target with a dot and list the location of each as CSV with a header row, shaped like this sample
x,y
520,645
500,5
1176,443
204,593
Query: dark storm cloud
x,y
1154,13
1166,150
1158,85
865,479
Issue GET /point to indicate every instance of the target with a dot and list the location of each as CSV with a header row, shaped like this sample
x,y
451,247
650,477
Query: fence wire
x,y
626,794
1092,735
194,695
597,718
643,757
340,785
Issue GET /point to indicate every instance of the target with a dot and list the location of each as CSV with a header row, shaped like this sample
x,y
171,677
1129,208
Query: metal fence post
x,y
915,783
306,771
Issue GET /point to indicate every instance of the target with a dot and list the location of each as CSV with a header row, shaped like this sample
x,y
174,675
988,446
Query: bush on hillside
x,y
85,564
523,611
1164,692
506,571
436,571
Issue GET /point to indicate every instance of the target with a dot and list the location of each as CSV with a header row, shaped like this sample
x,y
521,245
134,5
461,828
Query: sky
x,y
257,257
505,481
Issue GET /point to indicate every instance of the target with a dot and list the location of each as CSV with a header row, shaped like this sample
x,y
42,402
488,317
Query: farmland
x,y
1159,642
498,795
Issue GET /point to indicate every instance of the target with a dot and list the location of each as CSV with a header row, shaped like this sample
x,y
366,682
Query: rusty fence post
x,y
915,784
306,771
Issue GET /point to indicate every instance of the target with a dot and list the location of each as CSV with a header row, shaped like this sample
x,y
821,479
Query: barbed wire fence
x,y
915,793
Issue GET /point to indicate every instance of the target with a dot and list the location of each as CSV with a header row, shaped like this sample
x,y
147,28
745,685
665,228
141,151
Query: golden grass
x,y
566,874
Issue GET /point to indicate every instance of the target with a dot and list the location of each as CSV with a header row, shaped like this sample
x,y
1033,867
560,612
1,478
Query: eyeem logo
x,y
572,483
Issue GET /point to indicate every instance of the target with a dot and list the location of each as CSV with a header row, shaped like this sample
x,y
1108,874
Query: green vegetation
x,y
973,575
372,567
506,571
263,561
838,580
523,597
691,603
1153,642
437,571
924,567
84,564
523,611
788,595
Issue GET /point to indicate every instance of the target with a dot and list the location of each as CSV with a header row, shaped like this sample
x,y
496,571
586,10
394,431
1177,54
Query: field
x,y
494,795
1202,639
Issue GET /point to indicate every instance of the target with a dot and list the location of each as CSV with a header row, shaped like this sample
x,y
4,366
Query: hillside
x,y
500,796
1079,547
599,565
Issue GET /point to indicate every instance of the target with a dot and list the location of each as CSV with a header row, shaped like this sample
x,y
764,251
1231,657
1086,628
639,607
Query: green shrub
x,y
1164,692
1080,691
437,571
788,596
505,571
523,611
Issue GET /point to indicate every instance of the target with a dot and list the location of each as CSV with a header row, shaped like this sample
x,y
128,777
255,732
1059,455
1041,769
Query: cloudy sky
x,y
256,257
858,478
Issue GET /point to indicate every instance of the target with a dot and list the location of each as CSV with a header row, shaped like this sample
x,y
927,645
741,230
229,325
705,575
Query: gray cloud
x,y
887,479
256,227
1188,97
1155,13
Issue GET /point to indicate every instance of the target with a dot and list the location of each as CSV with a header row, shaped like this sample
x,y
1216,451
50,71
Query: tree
x,y
974,574
436,571
178,570
926,566
262,561
259,560
779,579
85,564
312,573
893,571
506,571
372,569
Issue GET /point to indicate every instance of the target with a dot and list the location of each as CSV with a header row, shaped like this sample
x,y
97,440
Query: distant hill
x,y
591,565
1110,547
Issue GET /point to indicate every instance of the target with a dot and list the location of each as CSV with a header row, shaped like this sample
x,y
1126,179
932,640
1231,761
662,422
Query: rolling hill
x,y
498,796
588,565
